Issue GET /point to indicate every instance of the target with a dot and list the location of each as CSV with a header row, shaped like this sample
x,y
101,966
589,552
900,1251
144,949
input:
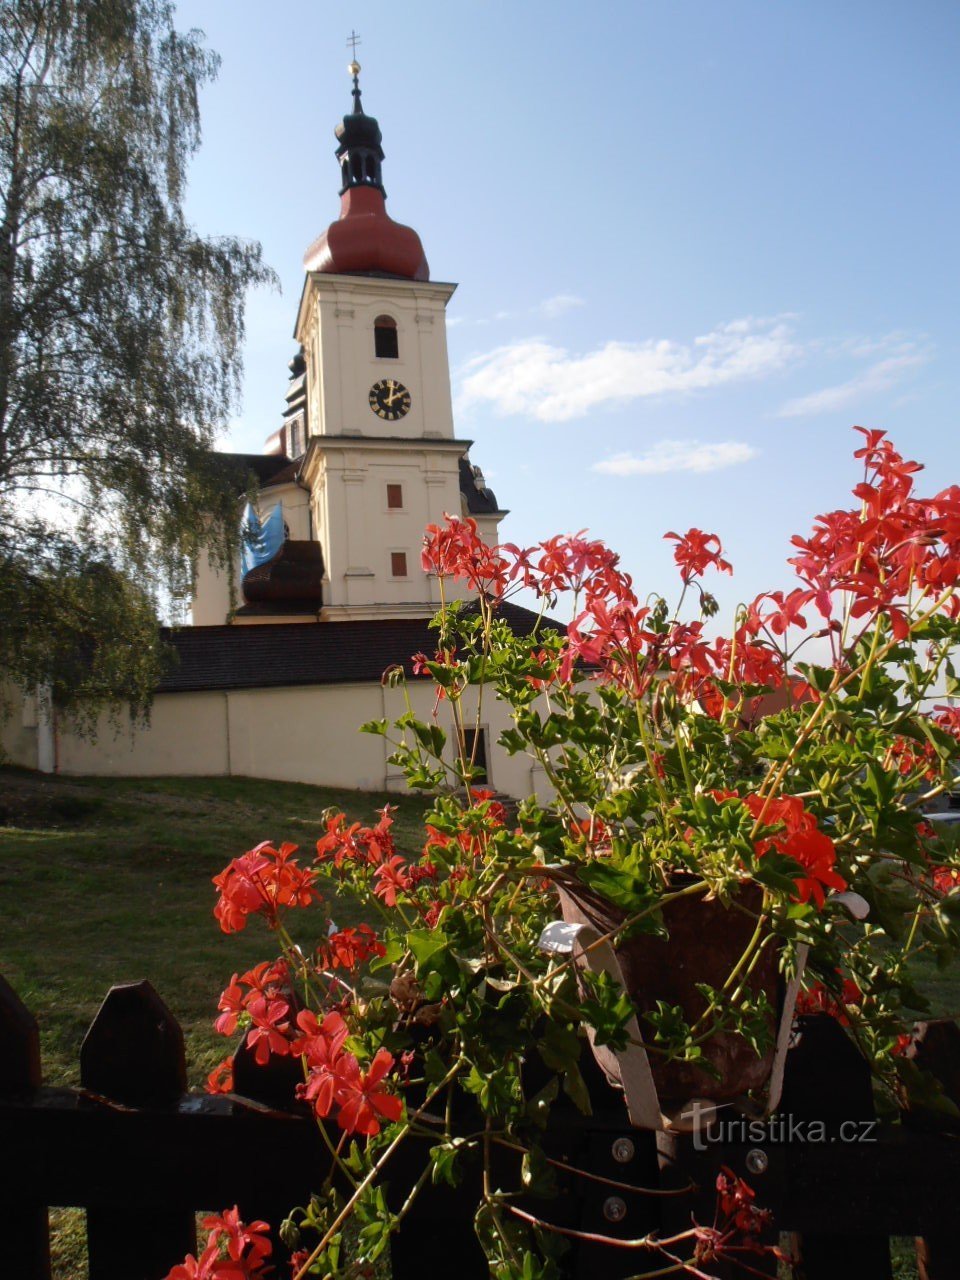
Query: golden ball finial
x,y
354,68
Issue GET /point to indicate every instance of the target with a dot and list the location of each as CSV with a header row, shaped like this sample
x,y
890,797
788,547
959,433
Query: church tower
x,y
383,460
367,455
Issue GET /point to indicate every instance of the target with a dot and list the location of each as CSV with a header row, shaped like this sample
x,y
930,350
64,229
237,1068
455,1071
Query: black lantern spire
x,y
360,153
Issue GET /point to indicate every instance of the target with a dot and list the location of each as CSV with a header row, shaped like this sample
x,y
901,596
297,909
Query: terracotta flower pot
x,y
706,941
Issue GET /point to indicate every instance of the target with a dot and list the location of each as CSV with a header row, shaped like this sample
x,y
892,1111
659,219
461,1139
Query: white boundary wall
x,y
293,734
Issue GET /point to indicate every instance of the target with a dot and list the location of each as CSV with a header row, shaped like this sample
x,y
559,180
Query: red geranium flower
x,y
362,1101
244,1242
392,878
220,1079
350,948
321,1044
261,880
269,1029
696,551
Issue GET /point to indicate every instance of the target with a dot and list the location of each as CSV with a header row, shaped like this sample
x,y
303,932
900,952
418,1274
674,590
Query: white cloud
x,y
535,379
677,455
558,305
878,377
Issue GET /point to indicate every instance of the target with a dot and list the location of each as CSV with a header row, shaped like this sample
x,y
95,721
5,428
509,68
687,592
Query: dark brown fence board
x,y
206,1152
937,1049
133,1054
827,1080
27,1248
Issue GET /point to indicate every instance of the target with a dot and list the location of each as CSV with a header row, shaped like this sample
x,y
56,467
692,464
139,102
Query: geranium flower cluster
x,y
334,1077
262,1003
737,1227
909,757
945,879
349,948
356,852
817,998
796,835
351,849
235,1250
262,1008
896,545
261,881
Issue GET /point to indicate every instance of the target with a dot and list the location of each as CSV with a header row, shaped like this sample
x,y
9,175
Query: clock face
x,y
389,399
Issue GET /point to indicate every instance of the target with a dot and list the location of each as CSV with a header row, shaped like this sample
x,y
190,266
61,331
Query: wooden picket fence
x,y
142,1155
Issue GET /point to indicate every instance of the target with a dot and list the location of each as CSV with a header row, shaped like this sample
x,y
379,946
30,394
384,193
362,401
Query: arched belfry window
x,y
385,342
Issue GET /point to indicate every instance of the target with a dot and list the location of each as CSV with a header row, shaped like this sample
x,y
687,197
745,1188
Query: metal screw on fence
x,y
614,1209
757,1161
623,1150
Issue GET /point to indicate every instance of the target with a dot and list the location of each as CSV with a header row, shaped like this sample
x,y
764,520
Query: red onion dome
x,y
365,240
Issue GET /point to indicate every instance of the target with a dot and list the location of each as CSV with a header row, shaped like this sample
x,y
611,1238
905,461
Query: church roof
x,y
286,474
306,653
265,466
480,501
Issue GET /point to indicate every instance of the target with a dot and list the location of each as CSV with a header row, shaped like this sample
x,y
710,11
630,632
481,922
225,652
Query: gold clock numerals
x,y
389,399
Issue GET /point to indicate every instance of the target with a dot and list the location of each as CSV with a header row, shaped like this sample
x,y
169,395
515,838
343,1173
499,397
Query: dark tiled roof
x,y
265,466
267,655
286,475
278,608
479,501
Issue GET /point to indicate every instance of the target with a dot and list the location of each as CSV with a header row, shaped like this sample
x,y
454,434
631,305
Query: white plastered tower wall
x,y
335,326
354,455
360,533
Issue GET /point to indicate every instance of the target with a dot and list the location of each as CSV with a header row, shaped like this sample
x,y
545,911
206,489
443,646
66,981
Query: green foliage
x,y
120,339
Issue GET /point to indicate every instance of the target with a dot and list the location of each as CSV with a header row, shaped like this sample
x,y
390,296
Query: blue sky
x,y
695,242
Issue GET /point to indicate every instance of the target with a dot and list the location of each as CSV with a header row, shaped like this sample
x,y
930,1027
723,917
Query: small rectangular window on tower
x,y
398,564
395,497
386,345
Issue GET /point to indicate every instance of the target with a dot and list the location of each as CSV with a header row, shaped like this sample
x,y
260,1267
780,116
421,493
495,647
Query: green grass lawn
x,y
108,880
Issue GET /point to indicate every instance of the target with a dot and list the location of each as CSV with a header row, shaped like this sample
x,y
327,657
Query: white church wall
x,y
359,531
186,736
291,734
211,595
307,735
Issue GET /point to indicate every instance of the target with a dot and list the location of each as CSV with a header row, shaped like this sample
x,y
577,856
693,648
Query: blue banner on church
x,y
260,540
